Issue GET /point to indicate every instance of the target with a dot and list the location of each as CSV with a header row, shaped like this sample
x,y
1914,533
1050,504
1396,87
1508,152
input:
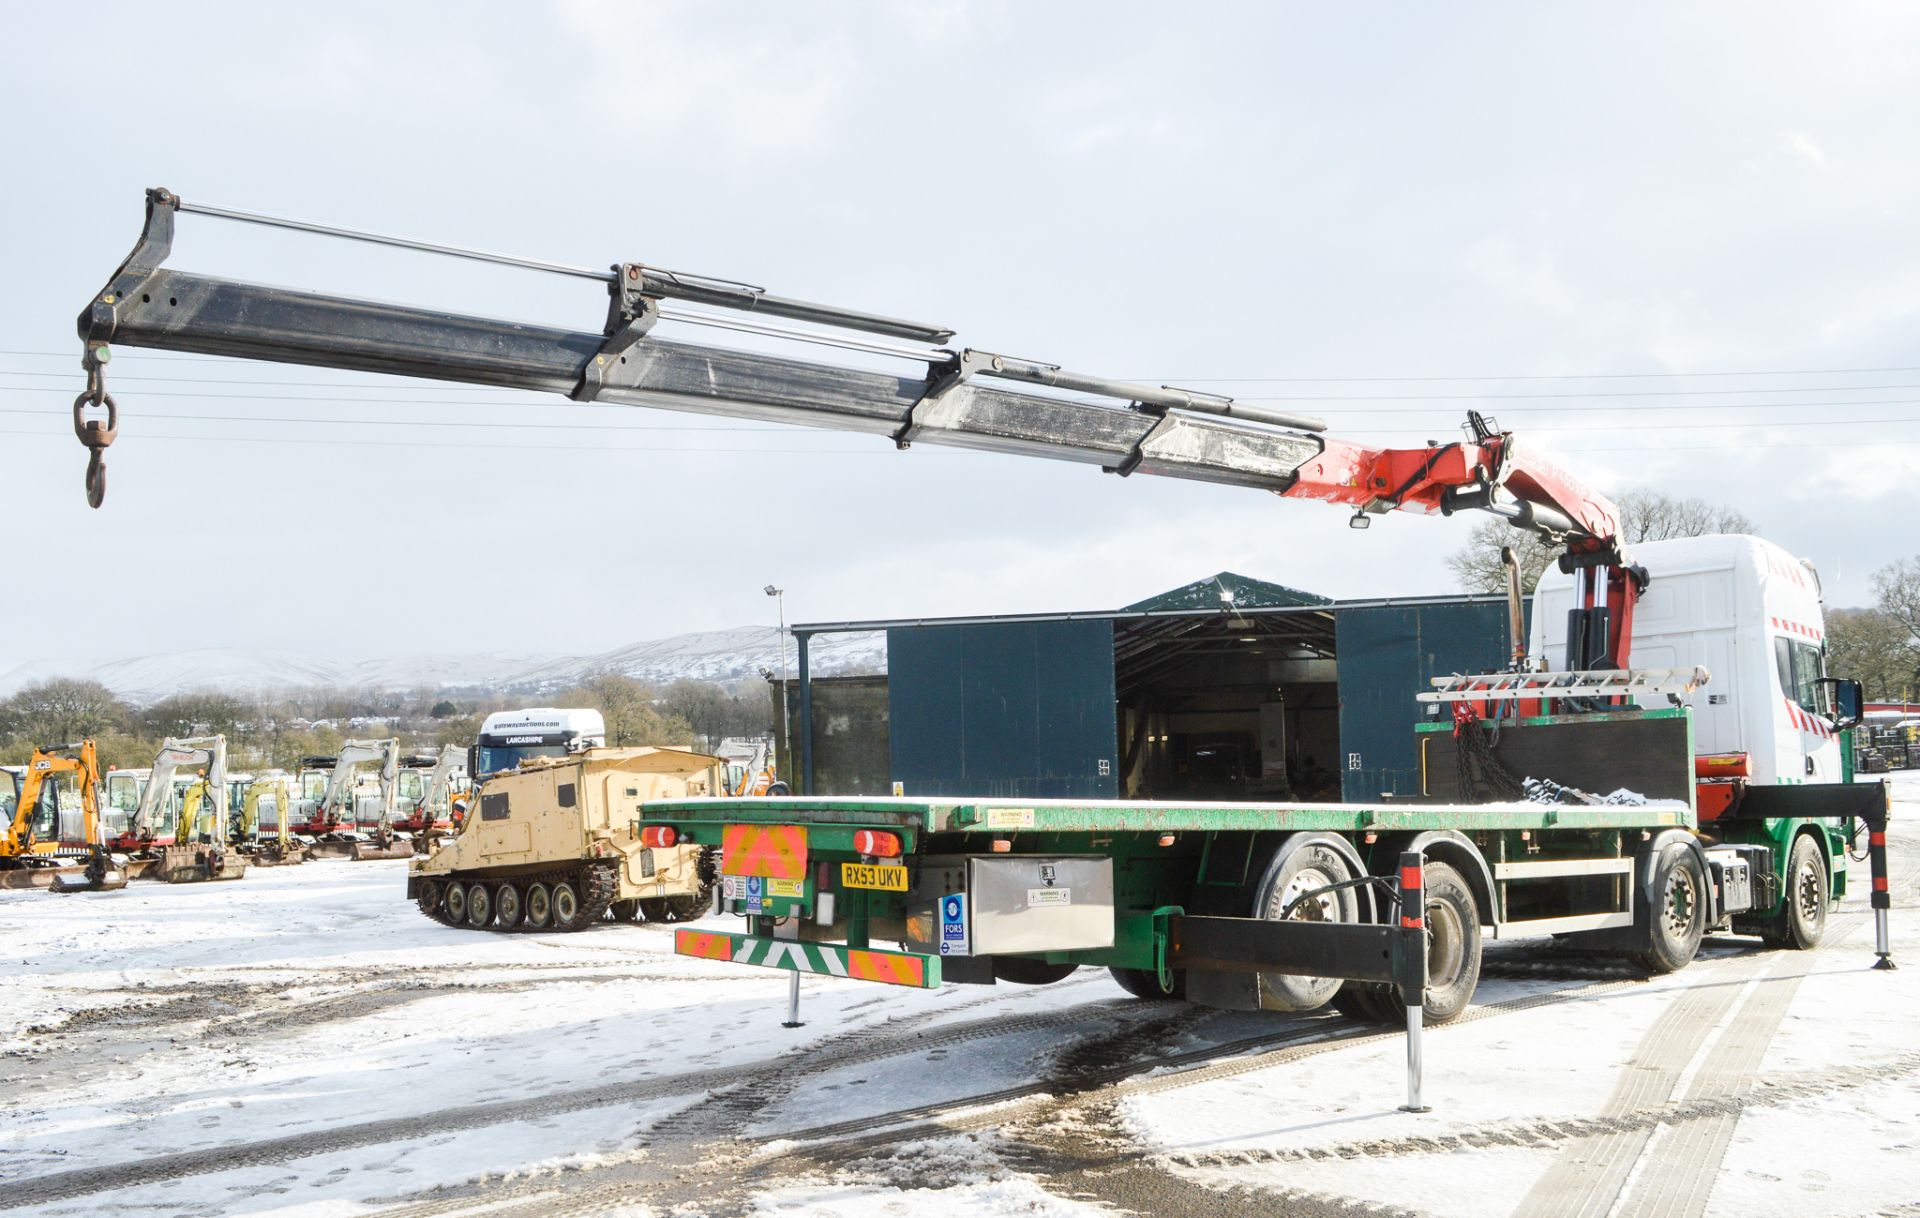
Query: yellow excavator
x,y
33,851
262,851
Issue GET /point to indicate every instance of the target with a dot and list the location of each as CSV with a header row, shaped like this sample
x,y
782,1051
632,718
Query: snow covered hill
x,y
710,655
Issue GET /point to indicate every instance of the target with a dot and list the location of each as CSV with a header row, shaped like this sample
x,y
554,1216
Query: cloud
x,y
1800,144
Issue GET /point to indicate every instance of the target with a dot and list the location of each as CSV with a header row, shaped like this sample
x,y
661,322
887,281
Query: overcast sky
x,y
1238,196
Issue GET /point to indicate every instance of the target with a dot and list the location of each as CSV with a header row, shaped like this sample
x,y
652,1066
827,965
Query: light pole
x,y
786,739
786,727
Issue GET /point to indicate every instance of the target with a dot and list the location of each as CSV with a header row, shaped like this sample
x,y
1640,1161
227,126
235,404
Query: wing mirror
x,y
1845,701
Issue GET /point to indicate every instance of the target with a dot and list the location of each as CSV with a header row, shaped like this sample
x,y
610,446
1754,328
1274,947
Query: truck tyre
x,y
1453,946
1309,868
1030,972
1453,959
566,906
539,903
479,905
456,903
1802,919
509,906
1144,983
1678,919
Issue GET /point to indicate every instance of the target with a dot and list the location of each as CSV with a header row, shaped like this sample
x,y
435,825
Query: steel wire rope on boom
x,y
961,396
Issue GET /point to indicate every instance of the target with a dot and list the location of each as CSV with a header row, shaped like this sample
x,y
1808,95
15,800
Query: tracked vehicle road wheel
x,y
688,908
479,905
508,906
566,906
1803,917
455,903
625,911
655,909
539,913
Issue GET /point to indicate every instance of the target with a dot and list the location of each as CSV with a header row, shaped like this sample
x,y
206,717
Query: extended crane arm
x,y
960,397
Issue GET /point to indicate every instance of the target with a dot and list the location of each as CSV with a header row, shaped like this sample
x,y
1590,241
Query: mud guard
x,y
1246,991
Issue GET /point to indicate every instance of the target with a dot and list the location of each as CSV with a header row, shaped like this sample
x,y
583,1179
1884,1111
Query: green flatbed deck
x,y
1003,816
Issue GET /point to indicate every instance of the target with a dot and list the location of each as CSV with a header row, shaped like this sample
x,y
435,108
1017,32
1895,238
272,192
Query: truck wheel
x,y
1300,873
1453,946
1802,919
566,906
479,905
625,911
456,903
1678,918
539,913
1030,972
1453,959
1144,983
509,906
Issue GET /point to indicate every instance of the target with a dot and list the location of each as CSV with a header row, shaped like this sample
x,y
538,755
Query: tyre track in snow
x,y
728,1170
874,1042
1599,1174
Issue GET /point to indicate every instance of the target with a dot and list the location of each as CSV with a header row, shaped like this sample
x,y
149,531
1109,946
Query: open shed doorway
x,y
1243,704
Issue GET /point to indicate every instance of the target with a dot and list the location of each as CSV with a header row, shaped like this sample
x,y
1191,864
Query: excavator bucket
x,y
192,864
102,873
19,878
332,848
372,848
269,854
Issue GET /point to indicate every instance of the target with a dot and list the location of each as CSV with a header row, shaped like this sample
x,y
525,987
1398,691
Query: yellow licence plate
x,y
866,875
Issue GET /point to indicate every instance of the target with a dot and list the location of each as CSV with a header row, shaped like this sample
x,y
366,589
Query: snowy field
x,y
303,1042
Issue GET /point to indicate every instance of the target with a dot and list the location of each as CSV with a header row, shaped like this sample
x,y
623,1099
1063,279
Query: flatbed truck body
x,y
983,890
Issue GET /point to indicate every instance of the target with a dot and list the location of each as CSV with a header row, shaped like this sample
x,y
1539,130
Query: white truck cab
x,y
1747,611
509,737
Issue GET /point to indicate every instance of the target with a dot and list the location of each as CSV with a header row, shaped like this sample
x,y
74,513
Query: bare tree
x,y
628,707
61,710
1644,516
1875,648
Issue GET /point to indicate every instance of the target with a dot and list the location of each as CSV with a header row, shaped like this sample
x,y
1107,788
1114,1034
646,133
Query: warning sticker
x,y
1049,896
787,888
1009,818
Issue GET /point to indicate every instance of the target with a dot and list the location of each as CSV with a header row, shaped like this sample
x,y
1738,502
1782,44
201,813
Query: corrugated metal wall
x,y
1011,709
1387,654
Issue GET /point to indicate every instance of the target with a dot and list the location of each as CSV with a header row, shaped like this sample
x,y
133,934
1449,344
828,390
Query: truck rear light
x,y
876,843
658,837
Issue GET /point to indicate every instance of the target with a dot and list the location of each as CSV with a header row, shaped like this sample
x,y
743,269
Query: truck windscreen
x,y
495,758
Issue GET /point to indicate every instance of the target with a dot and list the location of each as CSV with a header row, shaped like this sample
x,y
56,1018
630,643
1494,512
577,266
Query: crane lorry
x,y
40,847
1285,905
172,835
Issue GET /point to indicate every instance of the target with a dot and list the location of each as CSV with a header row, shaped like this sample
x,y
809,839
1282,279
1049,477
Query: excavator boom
x,y
915,392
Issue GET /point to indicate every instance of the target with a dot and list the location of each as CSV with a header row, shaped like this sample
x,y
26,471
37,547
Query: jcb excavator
x,y
338,821
194,847
33,852
244,830
962,397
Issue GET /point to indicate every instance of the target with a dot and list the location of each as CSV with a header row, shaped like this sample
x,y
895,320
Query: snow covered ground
x,y
303,1042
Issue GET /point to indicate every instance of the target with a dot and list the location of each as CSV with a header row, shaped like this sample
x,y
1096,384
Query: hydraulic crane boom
x,y
955,396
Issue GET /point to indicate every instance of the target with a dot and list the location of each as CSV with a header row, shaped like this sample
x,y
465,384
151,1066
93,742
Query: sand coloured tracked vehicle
x,y
554,845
